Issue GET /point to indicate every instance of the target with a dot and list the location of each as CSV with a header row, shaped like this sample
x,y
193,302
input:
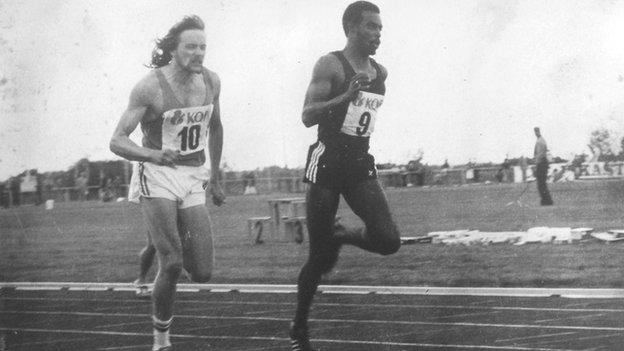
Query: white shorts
x,y
133,188
184,184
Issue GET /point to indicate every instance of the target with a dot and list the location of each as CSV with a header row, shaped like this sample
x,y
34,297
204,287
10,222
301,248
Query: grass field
x,y
99,242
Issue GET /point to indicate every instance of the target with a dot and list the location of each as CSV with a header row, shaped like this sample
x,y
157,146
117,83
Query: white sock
x,y
161,333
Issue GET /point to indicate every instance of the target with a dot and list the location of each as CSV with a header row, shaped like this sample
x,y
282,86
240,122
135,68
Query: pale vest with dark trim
x,y
180,128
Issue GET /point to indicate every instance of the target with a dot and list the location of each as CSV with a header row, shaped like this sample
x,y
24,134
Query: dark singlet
x,y
179,127
349,125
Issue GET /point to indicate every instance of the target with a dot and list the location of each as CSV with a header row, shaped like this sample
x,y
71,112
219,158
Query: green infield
x,y
99,242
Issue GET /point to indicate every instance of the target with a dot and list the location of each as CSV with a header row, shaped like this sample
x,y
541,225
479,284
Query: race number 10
x,y
189,137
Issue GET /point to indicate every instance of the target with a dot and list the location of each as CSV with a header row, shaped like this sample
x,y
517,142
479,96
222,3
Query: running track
x,y
66,316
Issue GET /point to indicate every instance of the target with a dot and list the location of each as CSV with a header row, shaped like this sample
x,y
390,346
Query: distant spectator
x,y
4,196
39,189
249,183
106,192
115,186
507,172
81,184
16,190
499,175
416,173
445,165
48,184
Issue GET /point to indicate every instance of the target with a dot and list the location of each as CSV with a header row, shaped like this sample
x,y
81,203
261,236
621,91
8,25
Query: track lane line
x,y
336,289
268,338
332,320
328,304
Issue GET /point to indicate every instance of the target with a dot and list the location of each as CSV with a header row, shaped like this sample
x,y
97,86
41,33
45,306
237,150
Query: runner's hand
x,y
358,82
166,157
218,198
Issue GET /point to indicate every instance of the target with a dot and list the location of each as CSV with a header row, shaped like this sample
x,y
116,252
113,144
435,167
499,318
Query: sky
x,y
468,79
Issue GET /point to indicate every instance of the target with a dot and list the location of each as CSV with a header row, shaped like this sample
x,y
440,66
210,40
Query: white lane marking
x,y
270,312
571,317
465,315
331,320
342,289
327,304
100,326
534,337
602,336
138,346
268,338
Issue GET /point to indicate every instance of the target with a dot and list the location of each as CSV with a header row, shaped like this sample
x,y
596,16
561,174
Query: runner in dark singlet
x,y
343,99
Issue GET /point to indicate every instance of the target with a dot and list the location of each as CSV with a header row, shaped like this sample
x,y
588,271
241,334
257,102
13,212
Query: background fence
x,y
239,183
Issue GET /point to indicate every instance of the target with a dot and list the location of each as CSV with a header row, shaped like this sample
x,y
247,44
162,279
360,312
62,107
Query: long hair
x,y
353,13
161,55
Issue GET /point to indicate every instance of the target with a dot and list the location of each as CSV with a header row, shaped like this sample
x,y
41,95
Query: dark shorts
x,y
335,168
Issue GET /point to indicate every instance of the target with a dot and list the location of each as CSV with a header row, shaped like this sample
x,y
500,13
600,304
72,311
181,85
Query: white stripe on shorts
x,y
314,159
142,180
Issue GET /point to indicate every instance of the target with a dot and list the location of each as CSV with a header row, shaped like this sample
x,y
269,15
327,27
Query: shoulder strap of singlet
x,y
346,66
377,68
169,98
208,83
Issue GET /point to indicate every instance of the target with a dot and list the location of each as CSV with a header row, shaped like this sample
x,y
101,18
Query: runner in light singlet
x,y
343,99
177,105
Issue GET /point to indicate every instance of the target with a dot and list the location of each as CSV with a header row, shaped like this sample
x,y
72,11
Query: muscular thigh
x,y
196,237
368,201
322,204
161,218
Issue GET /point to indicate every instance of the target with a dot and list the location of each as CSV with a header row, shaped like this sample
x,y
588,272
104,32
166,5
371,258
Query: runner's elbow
x,y
116,145
308,120
113,145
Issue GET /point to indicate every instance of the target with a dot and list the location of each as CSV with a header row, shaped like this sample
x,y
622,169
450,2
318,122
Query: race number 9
x,y
364,123
189,137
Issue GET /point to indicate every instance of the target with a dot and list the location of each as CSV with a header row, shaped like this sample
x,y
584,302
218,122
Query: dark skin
x,y
366,199
363,39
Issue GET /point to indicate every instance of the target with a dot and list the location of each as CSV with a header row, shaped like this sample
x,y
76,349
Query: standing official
x,y
540,155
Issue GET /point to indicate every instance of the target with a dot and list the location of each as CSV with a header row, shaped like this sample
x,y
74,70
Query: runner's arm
x,y
215,147
316,104
215,136
120,143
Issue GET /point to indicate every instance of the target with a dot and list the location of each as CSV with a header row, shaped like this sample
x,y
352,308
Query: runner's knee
x,y
201,276
388,240
324,262
389,246
171,264
148,252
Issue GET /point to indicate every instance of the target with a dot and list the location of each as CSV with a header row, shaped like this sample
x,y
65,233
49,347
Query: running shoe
x,y
141,290
299,339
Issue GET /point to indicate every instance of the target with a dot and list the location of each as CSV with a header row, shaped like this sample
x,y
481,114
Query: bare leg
x,y
368,201
146,258
322,205
197,243
161,218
